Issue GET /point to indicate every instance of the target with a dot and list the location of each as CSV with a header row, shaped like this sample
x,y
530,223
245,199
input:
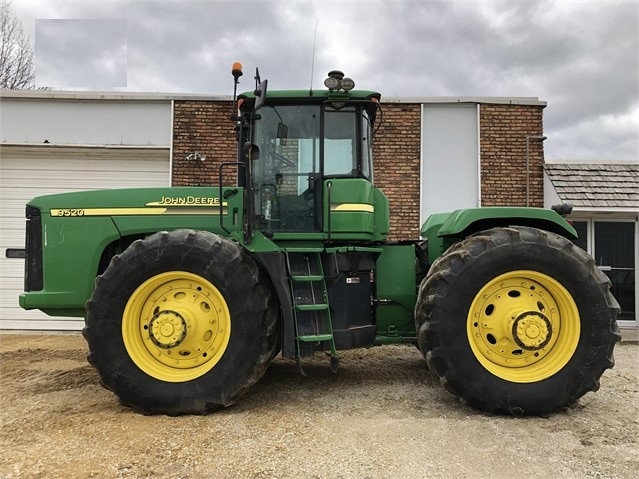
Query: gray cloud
x,y
81,53
580,57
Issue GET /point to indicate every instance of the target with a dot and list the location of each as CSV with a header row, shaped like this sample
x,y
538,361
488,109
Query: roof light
x,y
331,83
336,81
336,74
347,84
236,70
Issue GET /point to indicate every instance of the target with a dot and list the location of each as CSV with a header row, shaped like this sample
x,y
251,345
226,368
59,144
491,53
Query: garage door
x,y
31,171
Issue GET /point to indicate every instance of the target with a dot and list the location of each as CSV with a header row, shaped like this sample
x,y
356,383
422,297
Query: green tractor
x,y
189,293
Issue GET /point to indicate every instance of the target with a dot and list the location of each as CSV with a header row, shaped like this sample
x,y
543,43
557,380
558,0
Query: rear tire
x,y
182,322
517,320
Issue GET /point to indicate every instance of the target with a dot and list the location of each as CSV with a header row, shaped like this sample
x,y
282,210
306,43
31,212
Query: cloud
x,y
81,53
612,136
579,56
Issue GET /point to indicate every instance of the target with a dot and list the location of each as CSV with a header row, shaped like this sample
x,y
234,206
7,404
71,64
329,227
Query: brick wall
x,y
503,131
205,127
396,159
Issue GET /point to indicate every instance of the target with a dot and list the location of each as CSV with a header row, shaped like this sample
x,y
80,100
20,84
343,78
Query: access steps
x,y
311,311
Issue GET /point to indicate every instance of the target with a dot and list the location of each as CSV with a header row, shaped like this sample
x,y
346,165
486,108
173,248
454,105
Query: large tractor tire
x,y
181,322
517,320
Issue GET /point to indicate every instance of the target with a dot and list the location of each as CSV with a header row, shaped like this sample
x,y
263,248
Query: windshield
x,y
289,140
299,145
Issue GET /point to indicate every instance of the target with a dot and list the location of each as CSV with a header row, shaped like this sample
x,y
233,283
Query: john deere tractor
x,y
189,293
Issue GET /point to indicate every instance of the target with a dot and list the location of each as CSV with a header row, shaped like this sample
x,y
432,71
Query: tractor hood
x,y
134,201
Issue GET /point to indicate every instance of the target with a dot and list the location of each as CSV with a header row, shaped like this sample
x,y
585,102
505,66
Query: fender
x,y
443,229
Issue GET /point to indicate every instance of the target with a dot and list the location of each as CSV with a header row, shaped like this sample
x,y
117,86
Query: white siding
x,y
450,158
26,172
550,193
82,122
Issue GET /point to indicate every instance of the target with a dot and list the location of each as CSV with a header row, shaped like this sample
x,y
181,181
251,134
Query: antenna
x,y
310,90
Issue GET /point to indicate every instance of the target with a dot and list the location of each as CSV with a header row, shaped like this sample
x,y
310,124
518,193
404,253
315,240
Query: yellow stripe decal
x,y
352,207
135,211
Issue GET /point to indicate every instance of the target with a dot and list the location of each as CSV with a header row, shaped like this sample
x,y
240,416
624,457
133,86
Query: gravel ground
x,y
381,416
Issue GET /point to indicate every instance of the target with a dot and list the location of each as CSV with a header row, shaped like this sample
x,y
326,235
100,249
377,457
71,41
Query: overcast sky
x,y
580,57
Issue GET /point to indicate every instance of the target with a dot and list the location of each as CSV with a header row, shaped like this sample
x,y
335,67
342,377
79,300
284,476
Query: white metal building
x,y
53,142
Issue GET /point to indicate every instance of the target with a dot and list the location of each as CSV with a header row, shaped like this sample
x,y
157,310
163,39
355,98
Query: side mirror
x,y
260,95
282,130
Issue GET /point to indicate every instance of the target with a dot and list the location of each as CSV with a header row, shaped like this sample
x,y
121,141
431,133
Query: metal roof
x,y
598,185
158,96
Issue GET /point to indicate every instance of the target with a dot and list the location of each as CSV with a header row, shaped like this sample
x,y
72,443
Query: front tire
x,y
517,320
182,322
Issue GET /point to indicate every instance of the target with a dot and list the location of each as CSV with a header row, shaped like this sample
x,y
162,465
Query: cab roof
x,y
313,96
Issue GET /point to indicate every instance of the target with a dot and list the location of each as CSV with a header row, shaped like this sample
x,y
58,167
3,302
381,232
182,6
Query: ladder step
x,y
304,249
313,338
316,277
311,307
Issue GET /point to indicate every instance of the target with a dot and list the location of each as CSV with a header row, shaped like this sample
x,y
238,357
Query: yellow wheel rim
x,y
523,326
176,326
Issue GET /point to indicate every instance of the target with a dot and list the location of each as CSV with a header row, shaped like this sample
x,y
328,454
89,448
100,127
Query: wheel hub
x,y
532,330
523,326
167,329
176,326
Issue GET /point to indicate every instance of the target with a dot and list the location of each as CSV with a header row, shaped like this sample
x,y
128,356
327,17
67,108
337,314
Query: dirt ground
x,y
381,416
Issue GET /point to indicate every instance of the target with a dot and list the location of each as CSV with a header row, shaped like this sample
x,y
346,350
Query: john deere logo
x,y
186,201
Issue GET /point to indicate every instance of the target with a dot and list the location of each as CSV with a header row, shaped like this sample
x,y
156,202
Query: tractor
x,y
188,293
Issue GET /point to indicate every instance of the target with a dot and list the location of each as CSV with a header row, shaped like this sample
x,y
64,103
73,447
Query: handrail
x,y
329,186
220,195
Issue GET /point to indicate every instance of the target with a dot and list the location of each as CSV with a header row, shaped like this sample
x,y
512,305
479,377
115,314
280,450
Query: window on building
x,y
614,252
582,231
612,245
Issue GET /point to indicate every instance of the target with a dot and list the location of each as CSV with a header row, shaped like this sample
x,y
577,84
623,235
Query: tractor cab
x,y
308,163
